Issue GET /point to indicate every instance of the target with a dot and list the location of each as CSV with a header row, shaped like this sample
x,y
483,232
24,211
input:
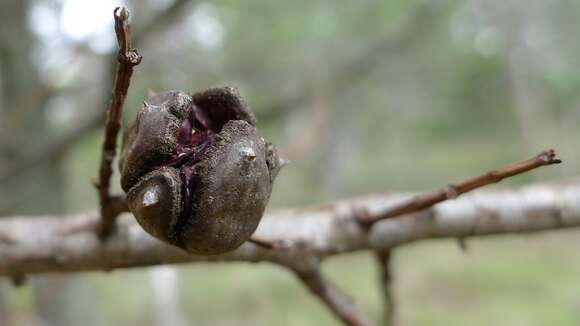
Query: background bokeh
x,y
363,96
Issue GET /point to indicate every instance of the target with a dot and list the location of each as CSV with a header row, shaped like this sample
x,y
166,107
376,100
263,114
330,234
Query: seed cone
x,y
196,171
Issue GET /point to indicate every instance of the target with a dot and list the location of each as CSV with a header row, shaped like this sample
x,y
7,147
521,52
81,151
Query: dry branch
x,y
127,58
57,244
423,201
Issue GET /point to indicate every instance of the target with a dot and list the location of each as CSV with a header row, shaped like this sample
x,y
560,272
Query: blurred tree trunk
x,y
536,115
24,99
42,190
529,94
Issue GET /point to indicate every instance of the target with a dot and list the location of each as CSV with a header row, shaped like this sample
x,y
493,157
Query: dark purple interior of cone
x,y
194,138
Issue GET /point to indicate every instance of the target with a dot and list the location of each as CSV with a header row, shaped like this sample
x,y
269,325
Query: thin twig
x,y
338,302
426,200
127,58
386,282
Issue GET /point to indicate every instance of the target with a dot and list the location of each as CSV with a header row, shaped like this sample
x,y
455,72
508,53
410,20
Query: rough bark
x,y
55,244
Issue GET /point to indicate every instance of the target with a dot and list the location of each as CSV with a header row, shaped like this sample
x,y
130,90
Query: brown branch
x,y
384,259
423,201
127,58
338,302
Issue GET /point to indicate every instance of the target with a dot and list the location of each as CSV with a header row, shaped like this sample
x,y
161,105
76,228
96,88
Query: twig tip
x,y
121,13
549,157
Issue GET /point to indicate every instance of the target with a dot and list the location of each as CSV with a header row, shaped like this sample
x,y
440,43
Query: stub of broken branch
x,y
452,191
127,58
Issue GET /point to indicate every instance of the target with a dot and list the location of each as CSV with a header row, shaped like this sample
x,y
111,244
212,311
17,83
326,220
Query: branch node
x,y
451,192
363,217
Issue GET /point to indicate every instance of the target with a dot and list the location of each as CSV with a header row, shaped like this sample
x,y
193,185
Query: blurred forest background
x,y
363,96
